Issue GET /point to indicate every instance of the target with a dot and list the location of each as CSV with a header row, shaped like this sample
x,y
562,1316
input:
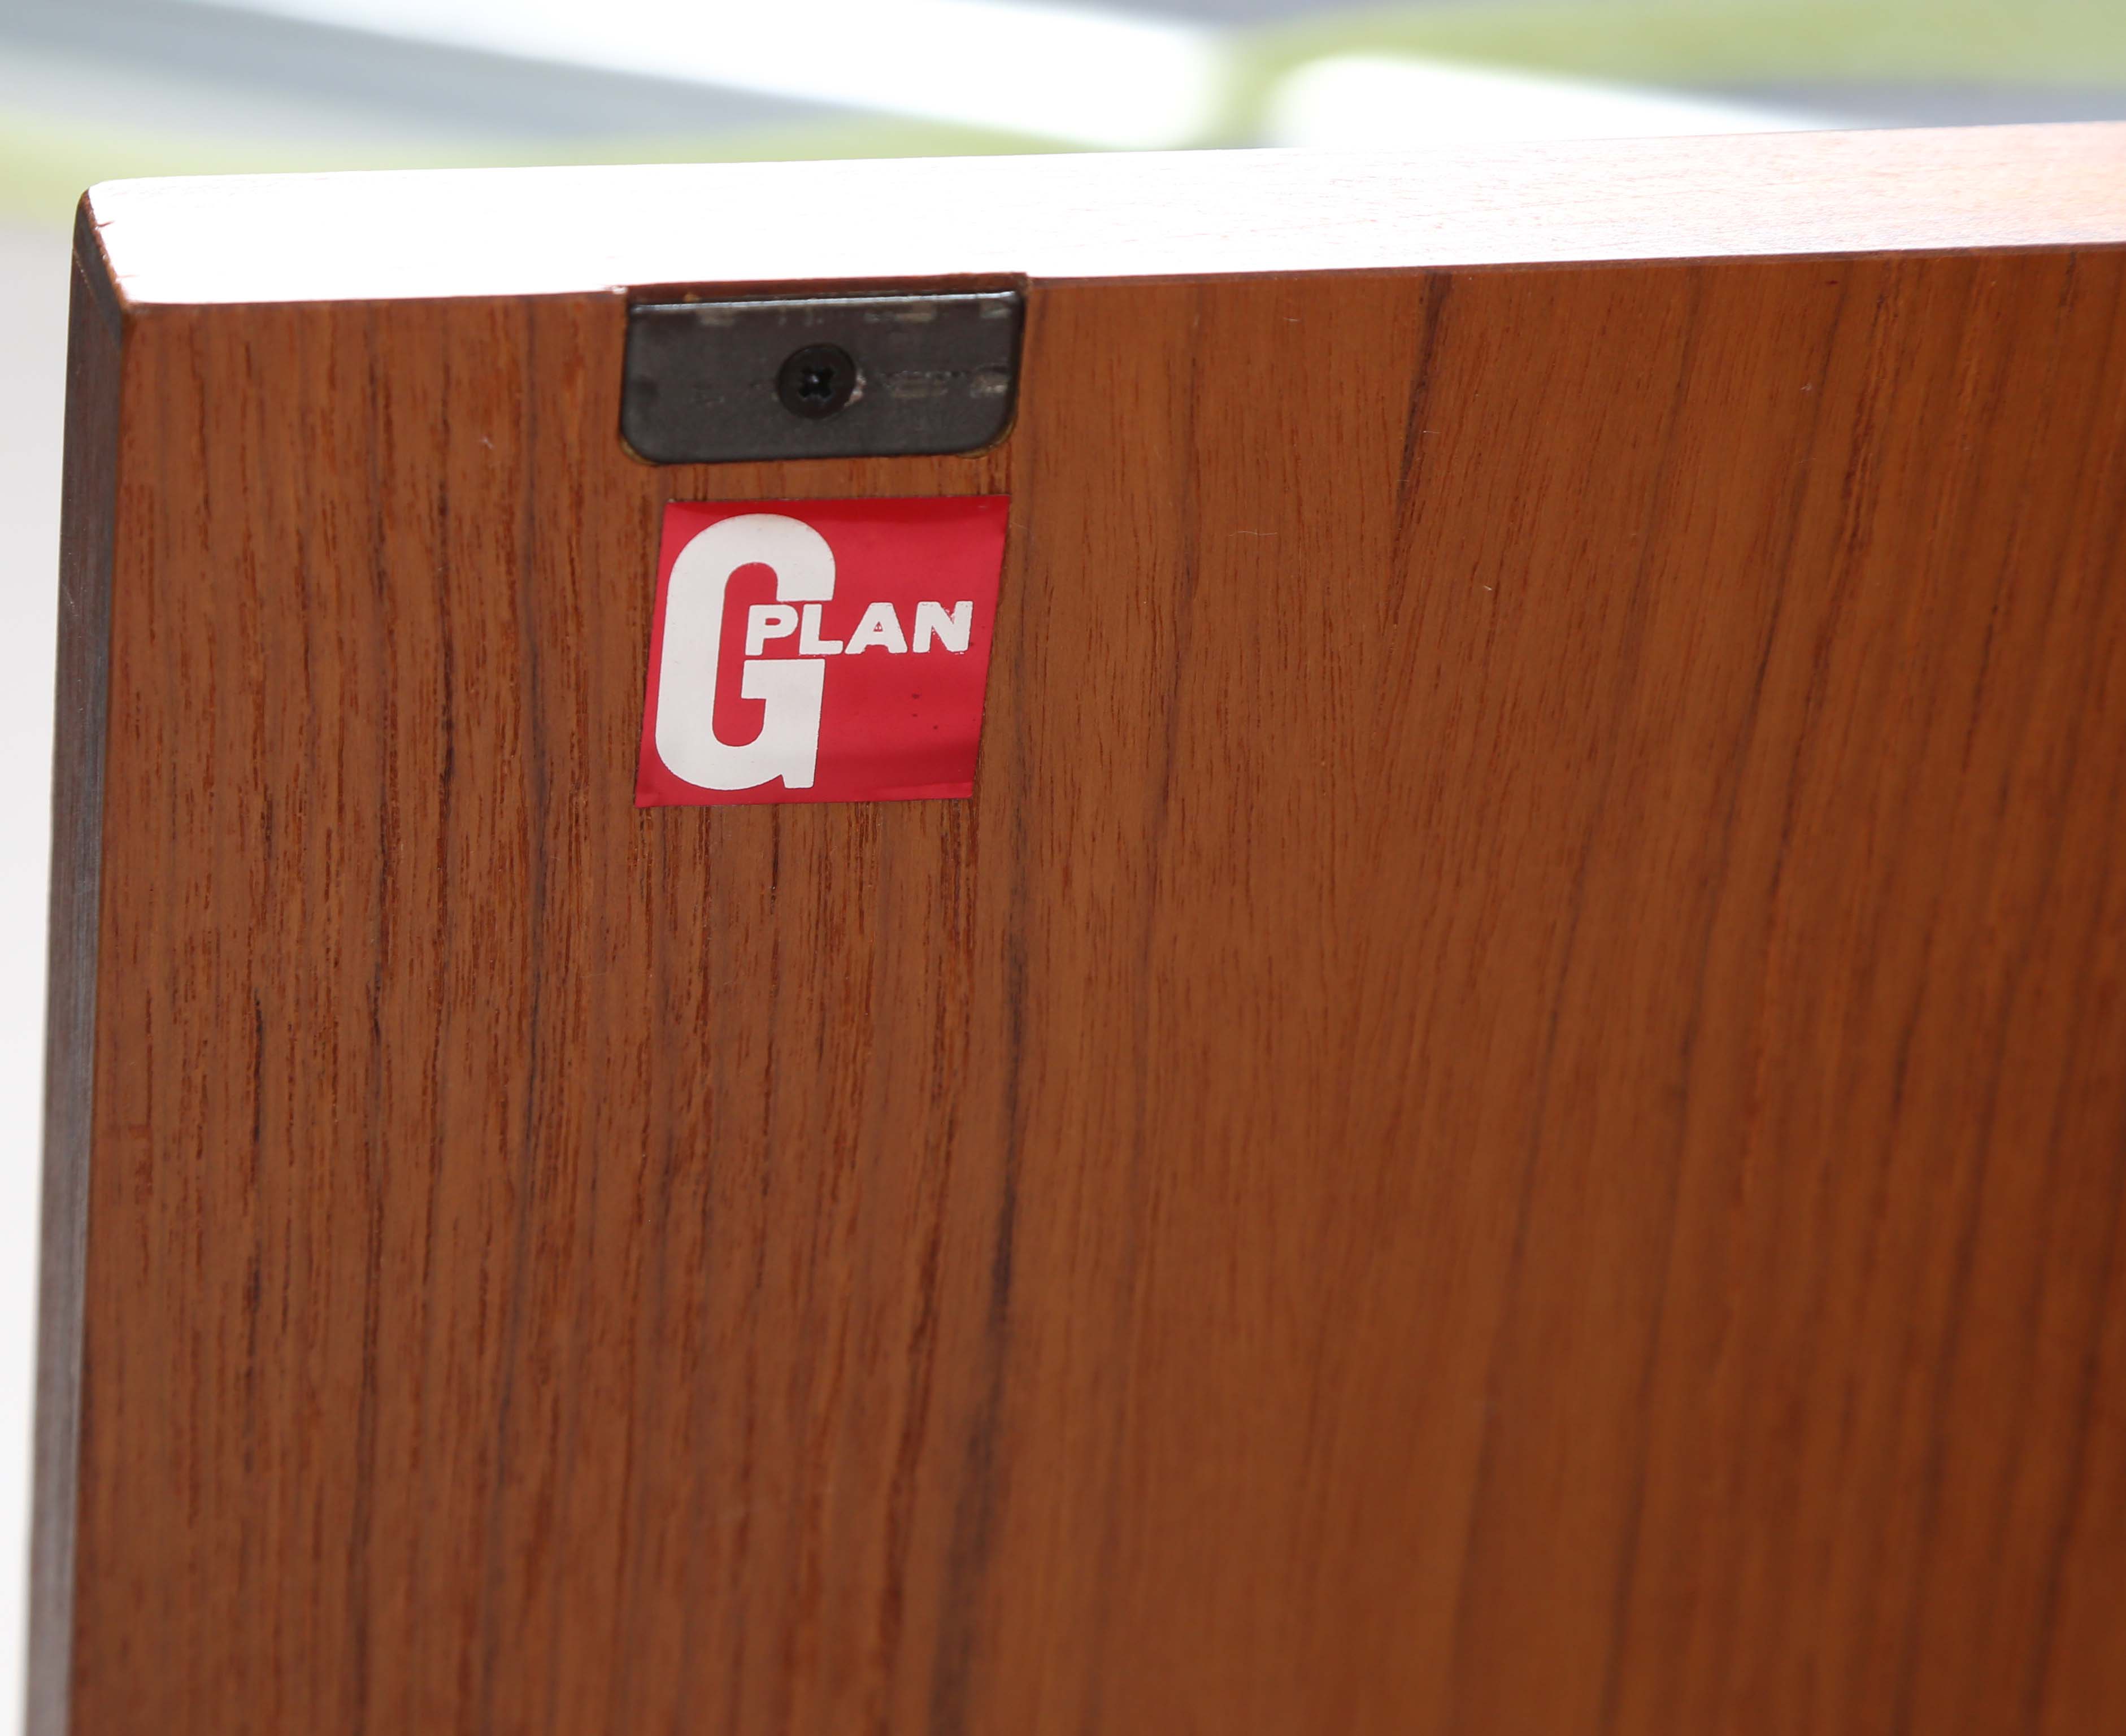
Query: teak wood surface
x,y
1506,1113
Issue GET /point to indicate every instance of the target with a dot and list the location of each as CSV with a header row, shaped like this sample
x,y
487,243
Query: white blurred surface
x,y
1103,78
33,291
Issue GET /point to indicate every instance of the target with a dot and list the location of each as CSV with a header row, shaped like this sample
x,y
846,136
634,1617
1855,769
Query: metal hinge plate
x,y
842,376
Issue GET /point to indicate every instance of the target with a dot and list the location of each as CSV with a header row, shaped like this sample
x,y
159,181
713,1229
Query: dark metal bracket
x,y
842,376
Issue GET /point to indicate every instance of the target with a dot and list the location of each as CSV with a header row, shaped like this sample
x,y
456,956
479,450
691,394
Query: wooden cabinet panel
x,y
1506,1112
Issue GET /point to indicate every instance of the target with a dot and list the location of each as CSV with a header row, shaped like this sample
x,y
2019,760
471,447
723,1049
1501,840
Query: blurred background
x,y
92,90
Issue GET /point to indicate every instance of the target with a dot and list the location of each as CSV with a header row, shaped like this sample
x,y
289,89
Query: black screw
x,y
816,380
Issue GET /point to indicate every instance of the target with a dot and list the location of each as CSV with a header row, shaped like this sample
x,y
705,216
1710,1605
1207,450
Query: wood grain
x,y
88,511
1507,1112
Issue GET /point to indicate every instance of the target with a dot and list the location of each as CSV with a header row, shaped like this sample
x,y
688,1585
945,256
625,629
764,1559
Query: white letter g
x,y
788,744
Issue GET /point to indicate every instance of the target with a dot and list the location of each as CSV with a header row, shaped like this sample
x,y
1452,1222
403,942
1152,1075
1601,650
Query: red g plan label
x,y
820,650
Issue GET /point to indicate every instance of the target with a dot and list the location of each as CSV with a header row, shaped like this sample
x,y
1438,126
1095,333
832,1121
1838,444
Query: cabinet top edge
x,y
432,235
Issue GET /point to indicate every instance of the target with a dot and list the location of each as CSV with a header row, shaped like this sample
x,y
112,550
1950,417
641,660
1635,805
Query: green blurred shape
x,y
2063,42
1737,41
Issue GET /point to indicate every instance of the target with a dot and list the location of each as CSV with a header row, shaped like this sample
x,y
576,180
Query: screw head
x,y
816,380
